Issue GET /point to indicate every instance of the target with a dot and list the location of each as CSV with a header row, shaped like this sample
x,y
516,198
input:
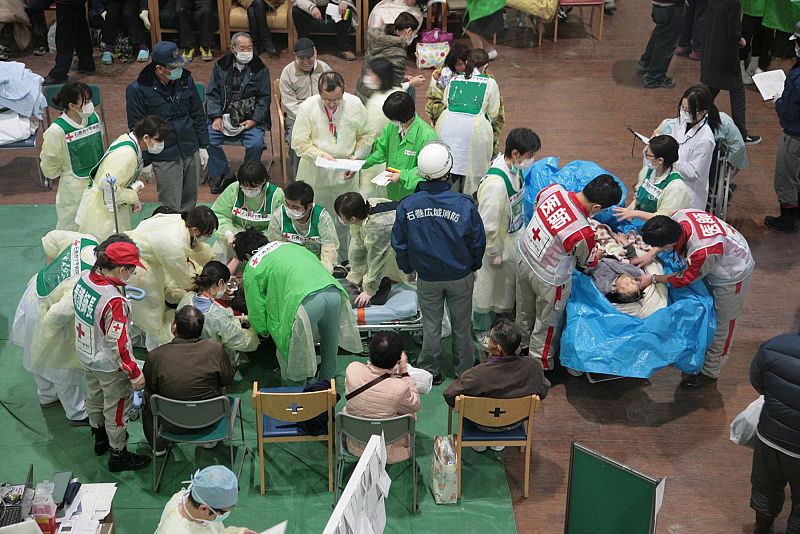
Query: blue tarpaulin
x,y
599,339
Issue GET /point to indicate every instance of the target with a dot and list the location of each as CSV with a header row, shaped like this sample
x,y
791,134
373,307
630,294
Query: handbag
x,y
743,426
444,477
543,9
436,35
431,55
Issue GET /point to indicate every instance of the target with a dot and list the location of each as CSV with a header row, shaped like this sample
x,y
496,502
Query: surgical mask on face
x,y
525,164
372,83
797,52
203,238
157,147
87,110
410,38
175,74
250,192
220,293
244,57
295,214
649,163
686,117
344,222
222,517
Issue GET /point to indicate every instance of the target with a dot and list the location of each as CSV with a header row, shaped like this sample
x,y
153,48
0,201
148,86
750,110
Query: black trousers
x,y
657,56
72,37
35,10
191,14
123,14
772,470
759,41
694,25
737,107
306,25
259,31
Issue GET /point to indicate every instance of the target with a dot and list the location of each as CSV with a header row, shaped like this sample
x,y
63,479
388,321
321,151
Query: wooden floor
x,y
579,96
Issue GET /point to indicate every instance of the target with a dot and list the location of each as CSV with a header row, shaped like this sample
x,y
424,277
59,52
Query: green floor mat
x,y
296,473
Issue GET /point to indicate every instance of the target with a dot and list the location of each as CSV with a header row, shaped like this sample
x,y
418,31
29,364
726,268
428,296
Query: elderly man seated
x,y
382,388
622,283
504,375
187,369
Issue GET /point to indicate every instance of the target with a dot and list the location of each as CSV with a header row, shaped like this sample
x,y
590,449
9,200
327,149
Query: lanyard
x,y
331,125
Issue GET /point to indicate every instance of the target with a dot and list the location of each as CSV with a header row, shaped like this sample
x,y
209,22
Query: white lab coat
x,y
695,152
470,137
172,522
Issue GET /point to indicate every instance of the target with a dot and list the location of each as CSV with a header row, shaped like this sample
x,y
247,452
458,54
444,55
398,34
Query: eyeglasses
x,y
332,101
686,110
649,155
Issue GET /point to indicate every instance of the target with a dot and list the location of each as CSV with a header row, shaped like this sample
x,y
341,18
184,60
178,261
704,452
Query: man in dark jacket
x,y
165,89
720,68
72,37
439,234
787,162
237,104
775,373
187,369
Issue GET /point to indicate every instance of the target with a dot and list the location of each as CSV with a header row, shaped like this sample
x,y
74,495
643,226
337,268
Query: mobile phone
x,y
60,481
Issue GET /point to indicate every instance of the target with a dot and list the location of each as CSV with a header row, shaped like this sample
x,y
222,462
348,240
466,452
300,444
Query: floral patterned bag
x,y
444,478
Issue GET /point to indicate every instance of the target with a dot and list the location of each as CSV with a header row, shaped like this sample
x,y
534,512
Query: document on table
x,y
351,165
279,528
333,12
770,83
382,179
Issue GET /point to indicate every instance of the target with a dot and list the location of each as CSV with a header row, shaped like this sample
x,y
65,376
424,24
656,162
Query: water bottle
x,y
136,409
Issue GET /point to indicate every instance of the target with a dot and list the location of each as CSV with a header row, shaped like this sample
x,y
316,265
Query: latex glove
x,y
138,384
103,14
147,172
137,207
203,157
230,237
362,300
145,16
137,186
497,261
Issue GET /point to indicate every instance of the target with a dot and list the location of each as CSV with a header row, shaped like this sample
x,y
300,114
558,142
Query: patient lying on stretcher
x,y
624,285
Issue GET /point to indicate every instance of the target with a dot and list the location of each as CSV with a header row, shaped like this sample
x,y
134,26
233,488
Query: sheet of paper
x,y
333,12
643,138
280,528
770,83
351,165
382,179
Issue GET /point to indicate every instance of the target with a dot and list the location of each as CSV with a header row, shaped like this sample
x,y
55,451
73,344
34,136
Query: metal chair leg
x,y
157,483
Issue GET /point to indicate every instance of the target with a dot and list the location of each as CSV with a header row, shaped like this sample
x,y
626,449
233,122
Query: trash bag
x,y
573,177
598,338
743,426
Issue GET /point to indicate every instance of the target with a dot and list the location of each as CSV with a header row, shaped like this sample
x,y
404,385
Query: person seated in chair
x,y
186,369
237,102
504,375
381,389
257,22
310,16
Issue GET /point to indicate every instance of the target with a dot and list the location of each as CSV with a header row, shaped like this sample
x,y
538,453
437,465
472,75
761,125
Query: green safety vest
x,y
648,194
67,264
258,219
84,145
514,200
130,142
466,95
311,240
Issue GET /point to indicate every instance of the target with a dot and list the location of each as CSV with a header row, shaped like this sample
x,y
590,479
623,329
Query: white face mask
x,y
686,117
294,214
220,293
244,57
157,147
372,83
410,38
650,164
526,164
251,192
87,110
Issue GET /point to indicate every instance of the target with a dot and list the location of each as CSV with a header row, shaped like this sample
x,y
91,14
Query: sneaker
x,y
5,52
682,51
695,55
187,54
126,460
211,445
747,79
664,82
497,448
347,55
492,54
160,453
481,448
79,422
106,58
563,13
437,379
143,56
696,381
752,139
50,80
39,50
205,53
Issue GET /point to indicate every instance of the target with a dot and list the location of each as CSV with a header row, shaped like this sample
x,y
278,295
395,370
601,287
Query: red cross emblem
x,y
535,234
116,328
79,330
69,137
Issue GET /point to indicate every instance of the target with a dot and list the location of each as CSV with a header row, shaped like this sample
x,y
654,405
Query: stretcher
x,y
400,313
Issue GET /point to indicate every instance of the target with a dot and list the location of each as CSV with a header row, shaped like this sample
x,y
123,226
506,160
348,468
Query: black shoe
x,y
696,381
218,184
437,379
101,445
50,80
39,50
665,82
86,69
125,460
5,52
786,222
79,422
752,139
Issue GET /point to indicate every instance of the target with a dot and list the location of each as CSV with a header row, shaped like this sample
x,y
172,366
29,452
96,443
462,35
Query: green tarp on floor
x,y
296,473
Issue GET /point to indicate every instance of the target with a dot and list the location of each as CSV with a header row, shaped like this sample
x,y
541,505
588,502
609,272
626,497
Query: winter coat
x,y
255,83
720,65
13,12
381,44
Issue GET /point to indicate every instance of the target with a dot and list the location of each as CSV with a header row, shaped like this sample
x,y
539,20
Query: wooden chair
x,y
490,412
165,21
276,94
279,20
278,412
581,4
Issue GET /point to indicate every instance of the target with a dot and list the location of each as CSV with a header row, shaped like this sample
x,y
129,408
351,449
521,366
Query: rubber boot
x,y
101,445
124,460
786,222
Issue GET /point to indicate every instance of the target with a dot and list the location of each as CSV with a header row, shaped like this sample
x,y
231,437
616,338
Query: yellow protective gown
x,y
470,136
164,248
377,121
124,163
312,136
222,326
55,163
172,522
495,288
371,254
329,239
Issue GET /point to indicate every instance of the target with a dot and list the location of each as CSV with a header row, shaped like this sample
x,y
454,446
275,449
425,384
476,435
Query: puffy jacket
x,y
255,83
775,373
788,105
438,233
178,103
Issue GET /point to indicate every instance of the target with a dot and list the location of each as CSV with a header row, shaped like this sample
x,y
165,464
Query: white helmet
x,y
434,160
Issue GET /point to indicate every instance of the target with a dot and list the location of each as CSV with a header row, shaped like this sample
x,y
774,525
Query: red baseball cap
x,y
124,254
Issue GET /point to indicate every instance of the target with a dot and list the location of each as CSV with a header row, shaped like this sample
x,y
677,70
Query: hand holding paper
x,y
352,165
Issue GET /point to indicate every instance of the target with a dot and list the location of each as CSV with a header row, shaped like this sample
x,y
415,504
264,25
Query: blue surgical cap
x,y
215,486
